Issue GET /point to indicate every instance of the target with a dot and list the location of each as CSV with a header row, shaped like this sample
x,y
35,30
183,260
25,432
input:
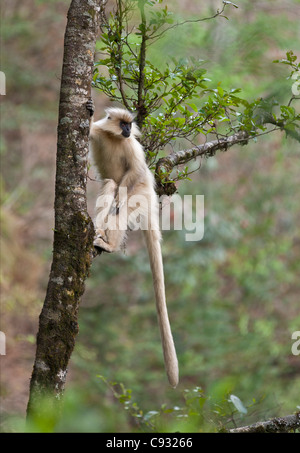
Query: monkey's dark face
x,y
126,128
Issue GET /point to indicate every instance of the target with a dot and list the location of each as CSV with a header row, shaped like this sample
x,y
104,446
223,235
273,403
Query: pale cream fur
x,y
125,178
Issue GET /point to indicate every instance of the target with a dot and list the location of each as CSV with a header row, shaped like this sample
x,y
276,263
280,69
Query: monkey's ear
x,y
107,111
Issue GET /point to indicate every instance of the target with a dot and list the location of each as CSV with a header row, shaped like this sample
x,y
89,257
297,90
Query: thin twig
x,y
178,24
142,63
120,56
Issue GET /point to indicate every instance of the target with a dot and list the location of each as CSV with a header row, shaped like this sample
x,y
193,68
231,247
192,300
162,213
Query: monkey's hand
x,y
119,201
90,106
116,207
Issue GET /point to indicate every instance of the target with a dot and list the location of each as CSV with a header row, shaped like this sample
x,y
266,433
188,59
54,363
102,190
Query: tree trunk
x,y
74,231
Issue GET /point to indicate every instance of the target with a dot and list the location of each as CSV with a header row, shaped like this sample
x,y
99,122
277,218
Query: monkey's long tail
x,y
154,250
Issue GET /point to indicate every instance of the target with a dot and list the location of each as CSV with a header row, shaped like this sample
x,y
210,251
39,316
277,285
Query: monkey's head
x,y
119,122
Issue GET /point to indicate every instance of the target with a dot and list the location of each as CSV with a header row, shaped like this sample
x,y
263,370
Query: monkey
x,y
129,186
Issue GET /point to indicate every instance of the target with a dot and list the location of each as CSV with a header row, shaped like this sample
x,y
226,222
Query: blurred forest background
x,y
233,297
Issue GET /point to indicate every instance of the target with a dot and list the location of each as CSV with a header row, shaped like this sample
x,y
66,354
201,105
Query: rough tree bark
x,y
275,425
74,231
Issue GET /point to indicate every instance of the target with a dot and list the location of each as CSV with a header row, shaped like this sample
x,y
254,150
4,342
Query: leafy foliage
x,y
167,98
197,412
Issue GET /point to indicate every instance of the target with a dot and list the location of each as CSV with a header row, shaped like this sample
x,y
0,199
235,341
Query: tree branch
x,y
142,62
120,55
274,425
166,164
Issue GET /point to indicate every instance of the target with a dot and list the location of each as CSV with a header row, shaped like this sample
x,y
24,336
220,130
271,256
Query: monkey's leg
x,y
111,230
105,220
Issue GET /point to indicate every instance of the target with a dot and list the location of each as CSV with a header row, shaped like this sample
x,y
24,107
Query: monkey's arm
x,y
135,167
124,190
130,179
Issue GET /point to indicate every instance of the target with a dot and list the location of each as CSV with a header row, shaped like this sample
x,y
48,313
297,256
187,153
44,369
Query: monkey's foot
x,y
100,244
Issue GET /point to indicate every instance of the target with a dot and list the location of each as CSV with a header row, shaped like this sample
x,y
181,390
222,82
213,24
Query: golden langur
x,y
127,198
